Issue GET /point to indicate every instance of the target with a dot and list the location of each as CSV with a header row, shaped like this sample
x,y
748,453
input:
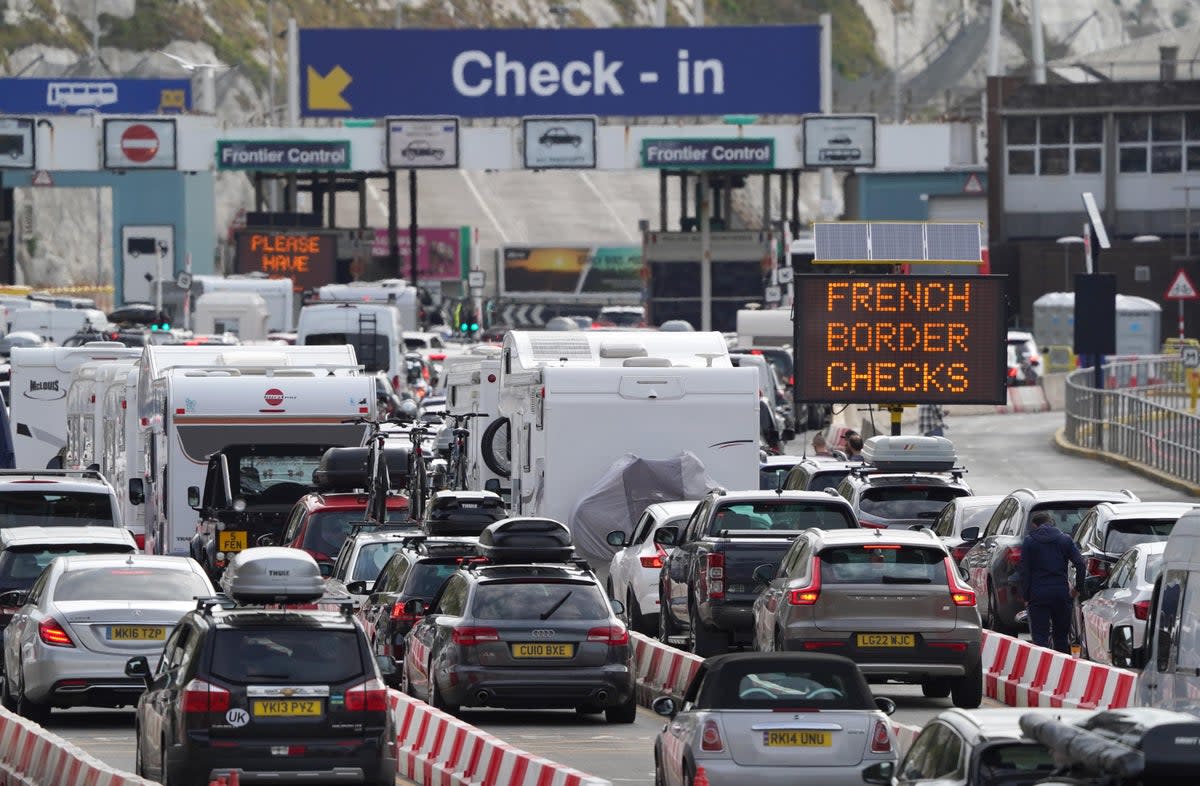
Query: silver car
x,y
1124,599
83,619
775,718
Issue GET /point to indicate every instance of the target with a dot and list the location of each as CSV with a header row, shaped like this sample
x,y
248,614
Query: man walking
x,y
1045,554
931,420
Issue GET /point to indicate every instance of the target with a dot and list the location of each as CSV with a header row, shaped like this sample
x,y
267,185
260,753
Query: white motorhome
x,y
120,457
277,293
244,314
59,324
394,292
472,384
578,402
166,474
764,327
85,410
374,330
38,397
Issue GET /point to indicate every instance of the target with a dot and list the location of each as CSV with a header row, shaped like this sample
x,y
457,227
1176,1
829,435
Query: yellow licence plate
x,y
136,633
543,650
887,640
797,739
287,708
231,540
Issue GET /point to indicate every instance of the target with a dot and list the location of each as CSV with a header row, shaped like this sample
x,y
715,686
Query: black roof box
x,y
463,513
345,469
526,540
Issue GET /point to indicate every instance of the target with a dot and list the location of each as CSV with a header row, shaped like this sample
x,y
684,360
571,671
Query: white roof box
x,y
273,574
910,454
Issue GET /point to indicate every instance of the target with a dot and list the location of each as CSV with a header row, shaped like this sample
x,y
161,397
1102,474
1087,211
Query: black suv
x,y
415,573
278,690
526,626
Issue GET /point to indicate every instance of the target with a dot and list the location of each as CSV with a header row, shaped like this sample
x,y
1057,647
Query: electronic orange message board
x,y
308,258
898,339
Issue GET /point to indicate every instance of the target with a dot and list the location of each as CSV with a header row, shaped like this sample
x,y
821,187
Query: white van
x,y
390,291
244,314
38,398
277,293
764,327
11,305
374,330
59,324
577,402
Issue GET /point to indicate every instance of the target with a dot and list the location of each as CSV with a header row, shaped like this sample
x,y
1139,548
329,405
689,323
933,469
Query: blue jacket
x,y
1045,553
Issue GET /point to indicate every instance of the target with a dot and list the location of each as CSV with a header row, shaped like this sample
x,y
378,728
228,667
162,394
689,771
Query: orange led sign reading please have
x,y
900,339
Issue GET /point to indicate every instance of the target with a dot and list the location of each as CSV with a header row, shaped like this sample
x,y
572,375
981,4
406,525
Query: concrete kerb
x,y
1060,443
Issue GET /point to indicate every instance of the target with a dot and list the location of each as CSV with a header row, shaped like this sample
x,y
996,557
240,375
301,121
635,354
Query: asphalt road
x,y
1002,452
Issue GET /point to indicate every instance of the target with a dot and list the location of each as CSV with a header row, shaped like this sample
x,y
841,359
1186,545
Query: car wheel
x,y
701,640
622,713
967,691
660,776
608,589
38,713
139,766
438,702
992,620
666,625
936,689
6,697
779,644
642,623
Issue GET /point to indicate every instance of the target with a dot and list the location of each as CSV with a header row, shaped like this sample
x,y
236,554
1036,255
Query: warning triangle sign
x,y
973,184
42,178
1182,287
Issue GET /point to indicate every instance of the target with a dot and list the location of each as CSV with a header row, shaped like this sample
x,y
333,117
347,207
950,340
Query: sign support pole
x,y
705,255
293,73
412,226
826,61
897,412
1181,330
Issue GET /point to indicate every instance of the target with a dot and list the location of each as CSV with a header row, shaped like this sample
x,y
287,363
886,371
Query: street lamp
x,y
1066,242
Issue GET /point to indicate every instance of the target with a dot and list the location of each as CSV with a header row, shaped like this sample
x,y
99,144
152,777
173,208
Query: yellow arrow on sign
x,y
325,92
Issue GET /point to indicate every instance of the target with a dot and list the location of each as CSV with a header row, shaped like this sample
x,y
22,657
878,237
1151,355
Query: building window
x,y
1193,158
1155,142
1133,159
1055,144
1166,158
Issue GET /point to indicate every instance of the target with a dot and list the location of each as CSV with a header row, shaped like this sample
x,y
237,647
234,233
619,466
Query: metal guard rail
x,y
1141,414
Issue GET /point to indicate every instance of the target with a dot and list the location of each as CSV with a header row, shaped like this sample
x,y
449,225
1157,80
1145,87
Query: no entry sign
x,y
139,144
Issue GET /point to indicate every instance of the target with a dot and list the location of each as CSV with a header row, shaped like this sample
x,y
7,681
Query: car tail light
x,y
657,560
50,632
612,635
1097,567
715,575
1012,372
400,615
710,738
813,646
808,596
960,593
953,646
369,696
1141,609
201,696
140,540
1013,556
958,552
469,637
319,556
871,524
396,383
881,741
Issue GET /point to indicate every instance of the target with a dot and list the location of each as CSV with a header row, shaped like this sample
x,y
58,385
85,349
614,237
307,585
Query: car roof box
x,y
526,540
910,454
273,574
345,469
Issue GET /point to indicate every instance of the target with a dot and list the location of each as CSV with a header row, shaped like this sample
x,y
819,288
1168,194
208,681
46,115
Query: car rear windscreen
x,y
827,480
542,601
769,687
1065,515
1008,764
328,529
1124,534
371,559
130,583
55,509
768,516
908,502
772,477
300,656
20,566
425,579
883,563
371,349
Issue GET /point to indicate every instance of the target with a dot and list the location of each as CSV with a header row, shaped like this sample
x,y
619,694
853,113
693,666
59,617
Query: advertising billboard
x,y
441,251
570,270
895,339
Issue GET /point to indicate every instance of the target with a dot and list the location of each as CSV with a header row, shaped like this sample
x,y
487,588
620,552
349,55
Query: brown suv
x,y
891,600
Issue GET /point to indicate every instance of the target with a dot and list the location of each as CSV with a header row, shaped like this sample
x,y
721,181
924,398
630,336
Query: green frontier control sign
x,y
283,156
740,154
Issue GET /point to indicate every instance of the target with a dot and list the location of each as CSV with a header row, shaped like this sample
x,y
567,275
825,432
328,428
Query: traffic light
x,y
160,327
468,323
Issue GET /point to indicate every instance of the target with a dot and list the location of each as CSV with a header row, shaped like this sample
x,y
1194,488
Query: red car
x,y
319,523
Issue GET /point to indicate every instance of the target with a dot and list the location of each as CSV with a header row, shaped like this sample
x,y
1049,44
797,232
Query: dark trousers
x,y
1051,618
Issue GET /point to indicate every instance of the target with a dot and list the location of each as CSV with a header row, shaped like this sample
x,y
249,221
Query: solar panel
x,y
841,241
954,242
897,242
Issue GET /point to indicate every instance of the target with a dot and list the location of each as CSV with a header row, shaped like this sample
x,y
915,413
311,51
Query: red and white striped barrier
x,y
32,756
1021,674
436,749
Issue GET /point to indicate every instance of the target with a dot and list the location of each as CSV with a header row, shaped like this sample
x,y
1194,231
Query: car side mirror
x,y
788,434
13,599
193,497
666,536
1092,585
617,606
970,534
137,491
879,774
416,607
616,539
138,666
492,485
55,463
664,706
387,666
764,574
885,705
326,569
1123,651
357,588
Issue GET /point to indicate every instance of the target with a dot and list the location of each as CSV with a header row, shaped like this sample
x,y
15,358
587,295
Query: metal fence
x,y
1142,413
